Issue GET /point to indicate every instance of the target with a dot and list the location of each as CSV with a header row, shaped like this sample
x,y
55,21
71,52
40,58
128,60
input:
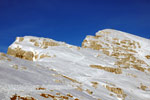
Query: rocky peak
x,y
129,50
33,48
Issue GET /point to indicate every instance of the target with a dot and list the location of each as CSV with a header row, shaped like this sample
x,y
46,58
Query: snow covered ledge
x,y
35,48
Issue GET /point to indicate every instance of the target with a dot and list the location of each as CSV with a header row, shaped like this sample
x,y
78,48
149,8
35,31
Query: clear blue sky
x,y
71,20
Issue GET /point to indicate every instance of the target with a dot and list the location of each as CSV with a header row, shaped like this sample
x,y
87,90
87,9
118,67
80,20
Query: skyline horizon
x,y
73,44
71,20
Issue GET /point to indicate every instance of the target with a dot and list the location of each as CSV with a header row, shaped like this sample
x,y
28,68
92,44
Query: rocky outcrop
x,y
34,48
17,52
108,69
122,46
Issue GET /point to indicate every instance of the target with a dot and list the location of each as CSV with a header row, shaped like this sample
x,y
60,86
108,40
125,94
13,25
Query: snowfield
x,y
112,65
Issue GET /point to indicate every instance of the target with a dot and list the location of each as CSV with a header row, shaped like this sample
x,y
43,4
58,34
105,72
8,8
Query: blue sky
x,y
71,20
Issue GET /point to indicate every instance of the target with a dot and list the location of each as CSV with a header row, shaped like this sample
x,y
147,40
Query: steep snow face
x,y
112,65
26,80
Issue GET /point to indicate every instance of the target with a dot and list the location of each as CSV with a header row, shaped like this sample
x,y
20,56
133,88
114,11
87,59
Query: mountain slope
x,y
112,65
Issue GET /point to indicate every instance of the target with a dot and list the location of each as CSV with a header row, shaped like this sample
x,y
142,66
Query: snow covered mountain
x,y
112,65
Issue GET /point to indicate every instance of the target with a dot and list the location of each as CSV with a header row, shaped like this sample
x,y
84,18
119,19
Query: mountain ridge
x,y
111,65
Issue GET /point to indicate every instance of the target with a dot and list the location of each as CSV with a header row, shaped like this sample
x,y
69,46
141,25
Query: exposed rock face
x,y
31,48
122,46
109,69
17,52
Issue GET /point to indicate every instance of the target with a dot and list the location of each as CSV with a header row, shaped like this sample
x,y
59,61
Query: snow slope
x,y
112,65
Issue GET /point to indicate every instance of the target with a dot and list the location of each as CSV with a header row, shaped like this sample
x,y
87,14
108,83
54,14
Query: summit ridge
x,y
112,65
